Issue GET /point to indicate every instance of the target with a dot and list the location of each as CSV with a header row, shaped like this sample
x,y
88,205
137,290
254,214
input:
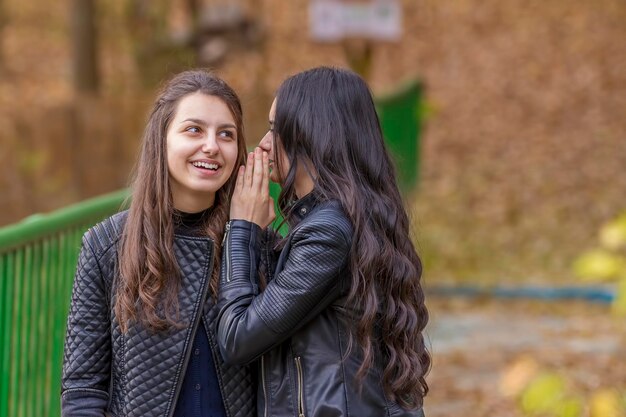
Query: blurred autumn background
x,y
523,153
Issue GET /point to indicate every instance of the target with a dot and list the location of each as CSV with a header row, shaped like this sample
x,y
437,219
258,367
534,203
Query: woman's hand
x,y
251,198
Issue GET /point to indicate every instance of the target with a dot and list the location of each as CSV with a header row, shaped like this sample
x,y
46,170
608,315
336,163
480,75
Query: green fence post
x,y
401,115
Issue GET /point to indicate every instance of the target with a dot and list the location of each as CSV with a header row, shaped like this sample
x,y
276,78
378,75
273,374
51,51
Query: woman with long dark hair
x,y
335,311
141,328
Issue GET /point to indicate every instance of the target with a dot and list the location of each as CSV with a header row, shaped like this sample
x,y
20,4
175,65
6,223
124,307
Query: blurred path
x,y
475,342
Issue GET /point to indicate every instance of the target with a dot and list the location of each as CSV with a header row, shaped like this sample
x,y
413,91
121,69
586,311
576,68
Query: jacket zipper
x,y
300,387
226,251
263,383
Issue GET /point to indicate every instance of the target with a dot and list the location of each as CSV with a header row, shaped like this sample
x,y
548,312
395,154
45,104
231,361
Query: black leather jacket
x,y
296,326
139,373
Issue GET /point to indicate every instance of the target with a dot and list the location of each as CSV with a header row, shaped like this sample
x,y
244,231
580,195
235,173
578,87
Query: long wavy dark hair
x,y
326,117
149,275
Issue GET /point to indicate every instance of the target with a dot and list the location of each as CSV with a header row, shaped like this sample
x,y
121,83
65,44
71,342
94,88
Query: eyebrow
x,y
203,123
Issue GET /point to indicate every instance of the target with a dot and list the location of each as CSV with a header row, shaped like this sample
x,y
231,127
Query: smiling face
x,y
201,151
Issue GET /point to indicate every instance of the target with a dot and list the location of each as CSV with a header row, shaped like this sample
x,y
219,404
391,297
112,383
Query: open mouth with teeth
x,y
206,165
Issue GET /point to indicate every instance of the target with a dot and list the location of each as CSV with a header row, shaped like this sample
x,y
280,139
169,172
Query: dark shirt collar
x,y
190,224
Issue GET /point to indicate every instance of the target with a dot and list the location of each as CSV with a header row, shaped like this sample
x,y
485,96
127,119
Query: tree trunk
x,y
85,43
3,20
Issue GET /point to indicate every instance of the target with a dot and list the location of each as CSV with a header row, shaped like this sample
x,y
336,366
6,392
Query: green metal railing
x,y
37,262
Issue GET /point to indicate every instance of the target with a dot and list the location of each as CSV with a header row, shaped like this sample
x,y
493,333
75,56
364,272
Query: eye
x,y
226,134
193,129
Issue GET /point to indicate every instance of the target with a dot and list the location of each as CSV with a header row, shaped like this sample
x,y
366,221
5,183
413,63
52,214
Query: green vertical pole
x,y
400,117
59,329
41,332
54,271
34,361
22,328
16,345
3,344
7,271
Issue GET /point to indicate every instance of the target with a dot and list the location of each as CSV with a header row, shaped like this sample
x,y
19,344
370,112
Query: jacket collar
x,y
302,207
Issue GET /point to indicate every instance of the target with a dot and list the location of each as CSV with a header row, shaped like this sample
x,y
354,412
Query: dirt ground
x,y
485,349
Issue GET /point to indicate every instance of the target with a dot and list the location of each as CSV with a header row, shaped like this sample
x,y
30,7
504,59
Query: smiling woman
x,y
142,312
201,151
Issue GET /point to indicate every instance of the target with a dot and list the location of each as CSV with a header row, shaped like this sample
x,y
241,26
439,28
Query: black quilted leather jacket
x,y
139,373
296,326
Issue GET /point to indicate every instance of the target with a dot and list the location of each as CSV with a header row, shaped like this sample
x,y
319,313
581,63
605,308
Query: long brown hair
x,y
149,275
327,117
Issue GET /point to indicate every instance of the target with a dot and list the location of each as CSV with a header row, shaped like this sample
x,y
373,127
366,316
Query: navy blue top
x,y
200,393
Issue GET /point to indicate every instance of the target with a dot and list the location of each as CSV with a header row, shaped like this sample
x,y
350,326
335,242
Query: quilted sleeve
x,y
250,324
87,355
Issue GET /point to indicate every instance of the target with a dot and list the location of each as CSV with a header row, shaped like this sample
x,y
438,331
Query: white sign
x,y
333,20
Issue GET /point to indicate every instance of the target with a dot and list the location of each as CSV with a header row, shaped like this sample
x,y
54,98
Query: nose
x,y
266,142
210,145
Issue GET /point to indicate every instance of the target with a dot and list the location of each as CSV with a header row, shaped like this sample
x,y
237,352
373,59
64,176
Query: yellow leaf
x,y
543,394
605,403
570,407
599,265
613,234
